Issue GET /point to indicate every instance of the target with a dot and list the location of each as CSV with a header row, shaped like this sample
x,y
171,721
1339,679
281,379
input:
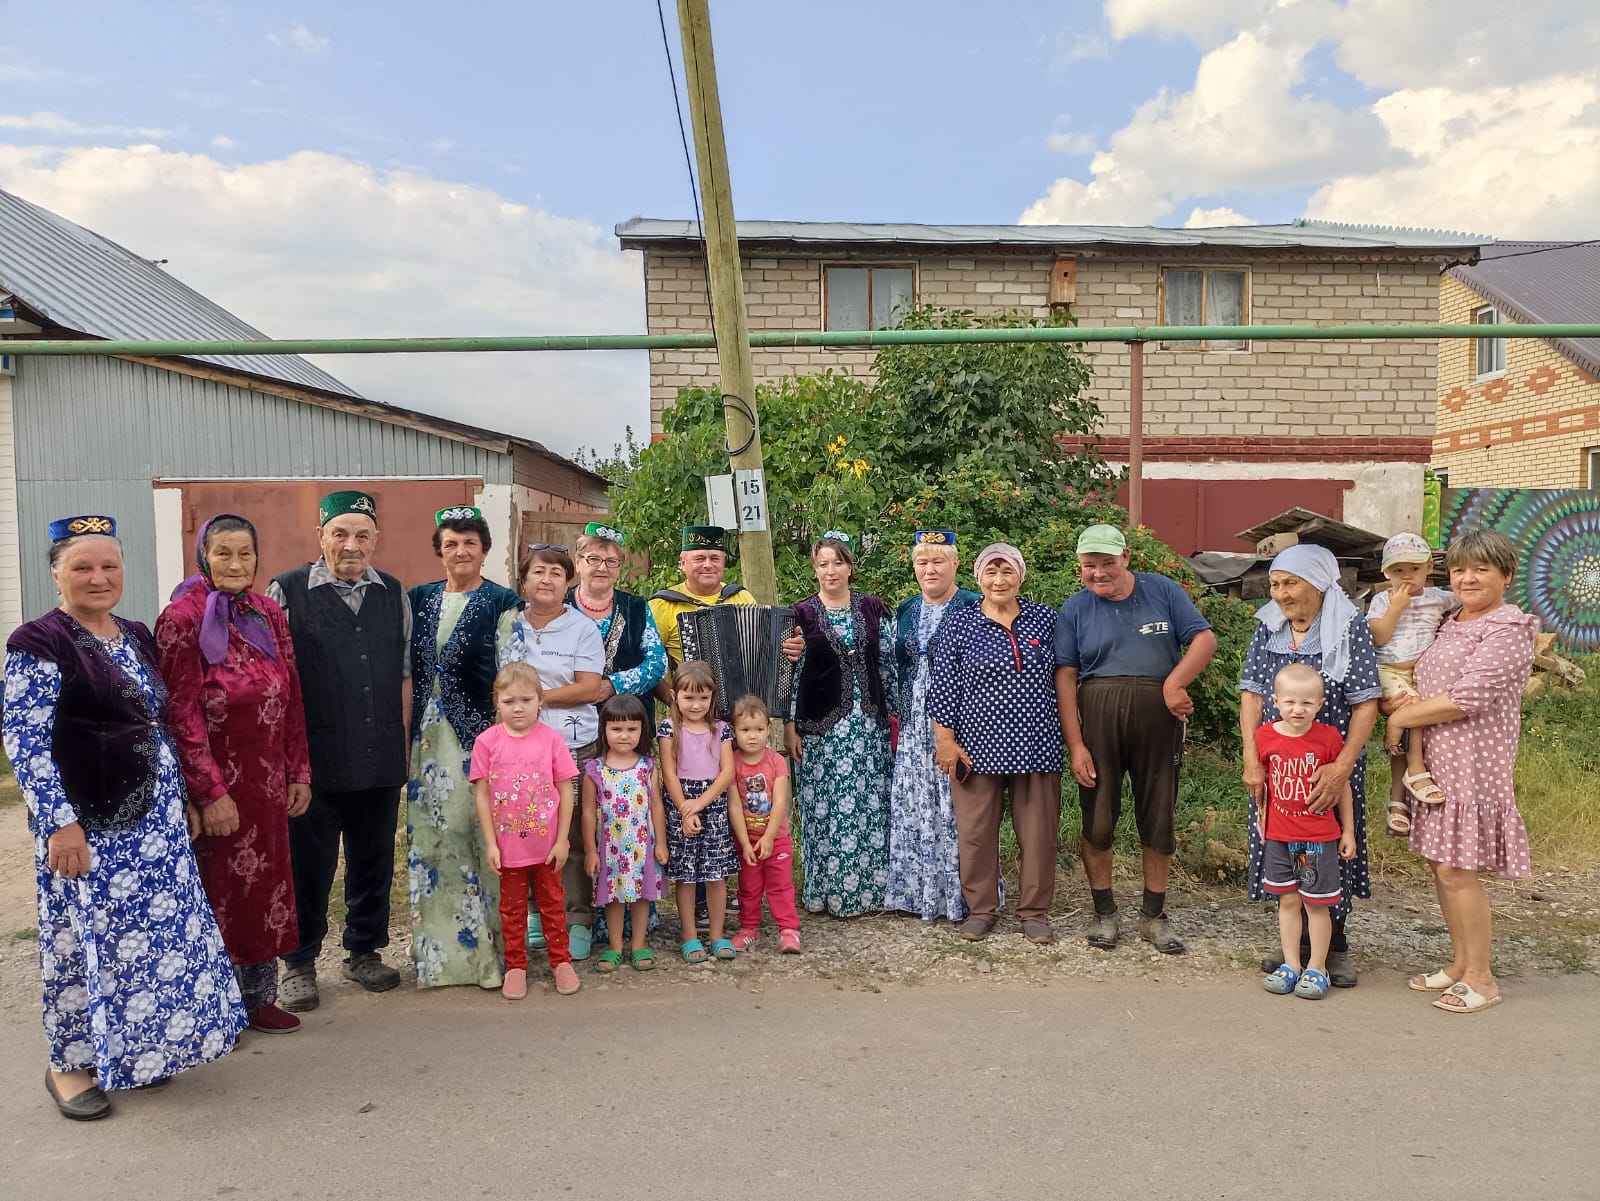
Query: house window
x,y
1205,296
1591,459
1491,351
866,297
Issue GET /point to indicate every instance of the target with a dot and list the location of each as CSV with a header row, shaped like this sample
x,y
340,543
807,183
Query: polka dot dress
x,y
1482,665
1261,665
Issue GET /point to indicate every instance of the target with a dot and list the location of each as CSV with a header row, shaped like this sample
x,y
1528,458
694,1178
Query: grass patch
x,y
10,794
31,934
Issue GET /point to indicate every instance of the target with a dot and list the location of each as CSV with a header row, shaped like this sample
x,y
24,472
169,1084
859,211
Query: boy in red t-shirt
x,y
761,828
1303,848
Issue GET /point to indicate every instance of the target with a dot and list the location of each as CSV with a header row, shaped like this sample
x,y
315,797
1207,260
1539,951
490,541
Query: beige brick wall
x,y
1530,427
1273,389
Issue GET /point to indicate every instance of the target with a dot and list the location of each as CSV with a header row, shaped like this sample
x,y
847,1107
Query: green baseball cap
x,y
1102,540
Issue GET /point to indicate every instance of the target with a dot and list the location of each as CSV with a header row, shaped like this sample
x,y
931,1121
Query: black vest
x,y
351,668
625,639
832,672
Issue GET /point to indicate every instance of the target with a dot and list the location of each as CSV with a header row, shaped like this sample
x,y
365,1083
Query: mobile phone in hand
x,y
963,771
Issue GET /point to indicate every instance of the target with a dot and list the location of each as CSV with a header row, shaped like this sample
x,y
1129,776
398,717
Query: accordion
x,y
742,646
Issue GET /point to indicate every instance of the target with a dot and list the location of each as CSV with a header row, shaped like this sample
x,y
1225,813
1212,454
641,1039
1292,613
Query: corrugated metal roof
x,y
1543,282
1321,235
81,281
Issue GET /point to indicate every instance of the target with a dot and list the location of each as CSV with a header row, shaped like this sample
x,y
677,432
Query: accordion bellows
x,y
742,646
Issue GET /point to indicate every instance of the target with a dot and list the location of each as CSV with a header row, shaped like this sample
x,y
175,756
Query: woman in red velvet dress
x,y
240,726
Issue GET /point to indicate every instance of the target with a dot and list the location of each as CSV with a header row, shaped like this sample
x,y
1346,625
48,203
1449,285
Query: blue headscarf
x,y
1317,567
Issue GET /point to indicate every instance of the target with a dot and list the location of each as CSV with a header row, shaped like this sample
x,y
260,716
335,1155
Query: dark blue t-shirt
x,y
1143,635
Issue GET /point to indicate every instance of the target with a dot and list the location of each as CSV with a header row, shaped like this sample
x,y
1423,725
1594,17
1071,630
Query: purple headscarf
x,y
242,612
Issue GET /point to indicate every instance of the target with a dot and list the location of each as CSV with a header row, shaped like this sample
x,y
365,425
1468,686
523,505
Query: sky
x,y
395,168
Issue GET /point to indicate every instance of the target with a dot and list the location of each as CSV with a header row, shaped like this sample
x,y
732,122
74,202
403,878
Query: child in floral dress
x,y
622,825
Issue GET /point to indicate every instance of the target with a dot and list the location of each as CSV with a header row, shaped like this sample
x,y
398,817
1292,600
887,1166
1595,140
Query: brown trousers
x,y
575,880
1035,816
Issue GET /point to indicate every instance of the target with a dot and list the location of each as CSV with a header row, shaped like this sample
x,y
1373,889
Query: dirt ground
x,y
1546,926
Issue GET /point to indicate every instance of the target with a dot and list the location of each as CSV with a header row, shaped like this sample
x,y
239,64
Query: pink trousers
x,y
772,878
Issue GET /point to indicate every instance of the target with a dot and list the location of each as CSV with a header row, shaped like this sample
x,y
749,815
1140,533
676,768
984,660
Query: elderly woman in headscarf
x,y
241,731
924,848
137,985
1311,620
997,730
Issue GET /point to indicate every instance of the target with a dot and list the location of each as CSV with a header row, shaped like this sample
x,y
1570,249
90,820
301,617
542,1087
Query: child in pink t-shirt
x,y
761,828
524,773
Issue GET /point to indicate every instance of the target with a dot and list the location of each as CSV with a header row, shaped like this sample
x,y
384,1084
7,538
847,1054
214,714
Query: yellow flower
x,y
861,468
843,464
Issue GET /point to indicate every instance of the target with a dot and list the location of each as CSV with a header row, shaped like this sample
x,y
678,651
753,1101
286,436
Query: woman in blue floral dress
x,y
924,850
137,982
838,735
461,624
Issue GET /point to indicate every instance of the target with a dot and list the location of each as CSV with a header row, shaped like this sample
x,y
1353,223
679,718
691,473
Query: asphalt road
x,y
1101,1090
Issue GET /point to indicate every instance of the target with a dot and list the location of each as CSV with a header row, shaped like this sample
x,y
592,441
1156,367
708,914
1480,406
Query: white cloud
x,y
1513,162
1200,218
56,124
320,246
1483,119
1066,142
223,142
300,39
1240,127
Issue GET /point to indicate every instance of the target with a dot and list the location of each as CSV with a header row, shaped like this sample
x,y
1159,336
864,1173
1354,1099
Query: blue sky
x,y
367,168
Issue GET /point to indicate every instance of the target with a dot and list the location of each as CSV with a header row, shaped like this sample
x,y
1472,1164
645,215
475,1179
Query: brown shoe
x,y
1038,931
976,929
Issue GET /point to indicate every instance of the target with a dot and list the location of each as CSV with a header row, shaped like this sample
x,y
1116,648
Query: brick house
x,y
1521,412
1234,432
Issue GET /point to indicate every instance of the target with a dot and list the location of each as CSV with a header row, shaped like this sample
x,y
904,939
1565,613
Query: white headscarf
x,y
1317,567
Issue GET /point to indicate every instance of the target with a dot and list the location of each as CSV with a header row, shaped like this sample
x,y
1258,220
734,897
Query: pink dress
x,y
1483,666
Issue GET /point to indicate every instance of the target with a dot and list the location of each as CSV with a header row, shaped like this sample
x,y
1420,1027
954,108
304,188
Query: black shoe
x,y
1105,929
372,973
87,1106
702,916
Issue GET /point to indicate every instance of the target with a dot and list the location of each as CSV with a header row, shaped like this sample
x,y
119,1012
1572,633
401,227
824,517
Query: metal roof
x,y
1538,282
80,281
1298,235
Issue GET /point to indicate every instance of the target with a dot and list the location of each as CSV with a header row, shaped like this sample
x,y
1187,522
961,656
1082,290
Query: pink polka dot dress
x,y
1483,666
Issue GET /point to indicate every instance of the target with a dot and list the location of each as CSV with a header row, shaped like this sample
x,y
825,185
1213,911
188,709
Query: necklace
x,y
600,610
538,631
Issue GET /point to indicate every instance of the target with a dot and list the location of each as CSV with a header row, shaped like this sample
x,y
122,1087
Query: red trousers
x,y
773,878
545,884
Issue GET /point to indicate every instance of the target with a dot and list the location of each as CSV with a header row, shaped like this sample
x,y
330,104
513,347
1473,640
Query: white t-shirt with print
x,y
1418,625
569,644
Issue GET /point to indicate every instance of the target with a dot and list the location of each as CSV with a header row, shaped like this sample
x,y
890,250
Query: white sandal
x,y
1429,794
1471,999
1432,982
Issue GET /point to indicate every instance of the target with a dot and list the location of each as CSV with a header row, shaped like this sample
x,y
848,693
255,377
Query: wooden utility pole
x,y
727,285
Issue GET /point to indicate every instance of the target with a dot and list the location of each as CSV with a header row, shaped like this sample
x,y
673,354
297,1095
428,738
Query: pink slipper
x,y
567,981
515,986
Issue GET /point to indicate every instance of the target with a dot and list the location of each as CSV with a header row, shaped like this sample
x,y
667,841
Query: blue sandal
x,y
1313,985
693,951
723,949
1283,981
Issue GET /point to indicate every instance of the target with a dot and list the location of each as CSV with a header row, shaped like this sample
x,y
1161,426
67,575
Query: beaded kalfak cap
x,y
76,527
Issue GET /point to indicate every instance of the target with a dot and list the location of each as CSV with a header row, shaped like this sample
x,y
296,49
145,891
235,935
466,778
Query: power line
x,y
688,162
1517,254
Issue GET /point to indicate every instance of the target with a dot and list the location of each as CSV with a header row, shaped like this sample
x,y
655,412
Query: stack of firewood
x,y
1550,668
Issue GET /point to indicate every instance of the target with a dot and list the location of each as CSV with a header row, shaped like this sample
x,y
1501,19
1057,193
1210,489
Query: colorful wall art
x,y
1557,533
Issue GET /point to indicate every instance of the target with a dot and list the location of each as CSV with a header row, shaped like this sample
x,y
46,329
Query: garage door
x,y
285,516
1196,515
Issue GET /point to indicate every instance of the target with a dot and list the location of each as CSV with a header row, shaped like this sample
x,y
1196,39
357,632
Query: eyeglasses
x,y
556,546
602,561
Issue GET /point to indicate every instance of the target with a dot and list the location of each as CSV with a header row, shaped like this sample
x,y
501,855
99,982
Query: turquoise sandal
x,y
723,949
693,951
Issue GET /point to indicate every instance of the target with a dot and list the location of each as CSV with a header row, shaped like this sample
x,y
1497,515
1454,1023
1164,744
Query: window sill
x,y
1491,376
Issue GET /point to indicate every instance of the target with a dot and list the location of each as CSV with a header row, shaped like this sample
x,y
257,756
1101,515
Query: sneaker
x,y
1158,932
976,929
567,981
298,992
702,917
372,973
744,940
269,1019
789,942
515,985
1105,929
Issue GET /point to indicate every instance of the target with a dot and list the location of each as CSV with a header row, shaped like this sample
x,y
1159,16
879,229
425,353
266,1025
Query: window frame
x,y
869,268
1591,459
1497,346
1204,268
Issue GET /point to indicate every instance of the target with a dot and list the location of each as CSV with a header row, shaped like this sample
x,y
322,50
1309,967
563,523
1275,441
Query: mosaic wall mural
x,y
1557,532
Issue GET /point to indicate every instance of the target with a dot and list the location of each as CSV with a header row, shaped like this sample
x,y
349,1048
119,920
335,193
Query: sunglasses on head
x,y
533,546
